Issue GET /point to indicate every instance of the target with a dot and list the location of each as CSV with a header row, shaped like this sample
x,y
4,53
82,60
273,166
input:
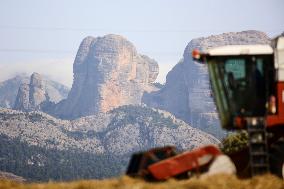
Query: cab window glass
x,y
236,67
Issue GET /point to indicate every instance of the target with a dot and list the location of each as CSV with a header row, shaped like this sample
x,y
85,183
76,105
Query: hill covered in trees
x,y
39,147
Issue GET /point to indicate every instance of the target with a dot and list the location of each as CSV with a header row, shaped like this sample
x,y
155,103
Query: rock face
x,y
31,95
108,72
9,90
186,93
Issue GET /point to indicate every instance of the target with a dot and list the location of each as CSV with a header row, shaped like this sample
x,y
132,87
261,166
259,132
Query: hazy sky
x,y
44,36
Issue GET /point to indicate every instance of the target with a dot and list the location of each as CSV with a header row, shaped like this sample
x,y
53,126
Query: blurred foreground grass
x,y
211,182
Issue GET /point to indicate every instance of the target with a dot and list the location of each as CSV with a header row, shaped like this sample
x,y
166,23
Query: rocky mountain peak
x,y
31,95
37,94
83,50
108,72
36,81
10,88
186,93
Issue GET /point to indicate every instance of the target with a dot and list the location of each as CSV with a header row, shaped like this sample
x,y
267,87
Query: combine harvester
x,y
248,88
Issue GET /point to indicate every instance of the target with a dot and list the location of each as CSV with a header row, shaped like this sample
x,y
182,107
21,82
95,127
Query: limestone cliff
x,y
108,72
10,88
31,95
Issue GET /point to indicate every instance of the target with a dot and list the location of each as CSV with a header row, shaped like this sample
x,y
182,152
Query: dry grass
x,y
212,182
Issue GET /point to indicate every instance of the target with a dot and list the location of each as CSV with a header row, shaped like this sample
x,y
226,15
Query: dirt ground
x,y
211,182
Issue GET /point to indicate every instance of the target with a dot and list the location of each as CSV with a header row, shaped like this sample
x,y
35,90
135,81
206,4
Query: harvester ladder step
x,y
258,146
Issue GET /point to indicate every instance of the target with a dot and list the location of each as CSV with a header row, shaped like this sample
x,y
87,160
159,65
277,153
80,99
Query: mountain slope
x,y
33,140
122,130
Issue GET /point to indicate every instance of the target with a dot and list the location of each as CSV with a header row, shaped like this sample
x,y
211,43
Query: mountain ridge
x,y
37,141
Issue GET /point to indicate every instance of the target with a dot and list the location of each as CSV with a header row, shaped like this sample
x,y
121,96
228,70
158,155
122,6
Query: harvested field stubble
x,y
210,182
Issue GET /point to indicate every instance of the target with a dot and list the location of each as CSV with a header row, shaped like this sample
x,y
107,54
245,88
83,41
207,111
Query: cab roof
x,y
239,50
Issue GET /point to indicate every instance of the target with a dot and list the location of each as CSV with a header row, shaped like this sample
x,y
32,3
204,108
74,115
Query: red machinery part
x,y
184,162
196,54
278,118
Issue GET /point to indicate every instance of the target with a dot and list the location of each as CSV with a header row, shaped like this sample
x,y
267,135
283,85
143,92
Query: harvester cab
x,y
242,80
248,88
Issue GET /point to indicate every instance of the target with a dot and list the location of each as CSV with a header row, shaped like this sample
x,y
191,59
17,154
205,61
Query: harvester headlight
x,y
196,54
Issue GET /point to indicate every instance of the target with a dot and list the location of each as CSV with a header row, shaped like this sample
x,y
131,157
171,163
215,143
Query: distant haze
x,y
60,70
44,35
